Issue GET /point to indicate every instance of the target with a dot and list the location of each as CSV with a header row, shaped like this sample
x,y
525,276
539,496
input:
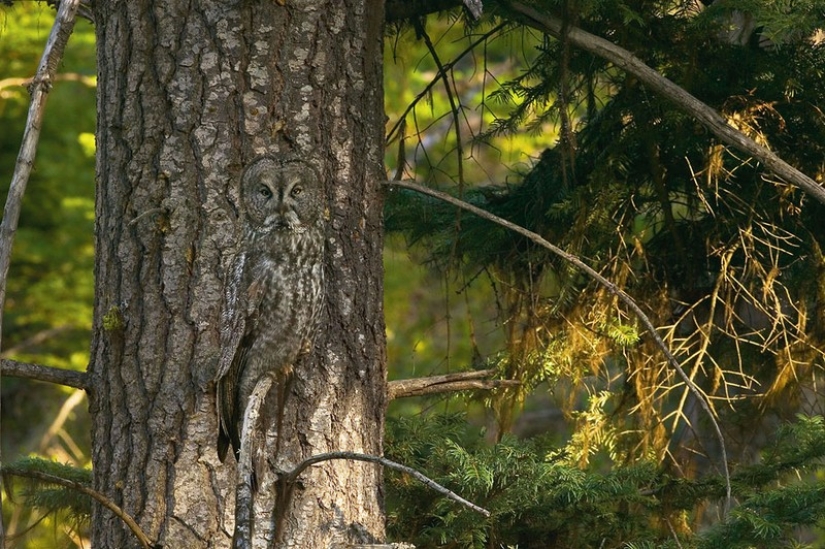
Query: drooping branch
x,y
83,489
292,476
711,119
49,374
448,383
609,286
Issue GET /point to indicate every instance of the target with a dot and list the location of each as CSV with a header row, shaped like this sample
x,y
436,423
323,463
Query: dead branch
x,y
291,476
48,374
448,383
703,400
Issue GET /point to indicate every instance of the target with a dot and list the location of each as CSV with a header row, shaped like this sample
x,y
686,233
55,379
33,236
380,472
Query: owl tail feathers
x,y
223,445
225,440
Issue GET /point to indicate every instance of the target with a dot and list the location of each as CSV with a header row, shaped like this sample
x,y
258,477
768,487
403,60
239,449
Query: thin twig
x,y
293,475
40,87
442,71
454,107
49,374
712,120
611,287
83,489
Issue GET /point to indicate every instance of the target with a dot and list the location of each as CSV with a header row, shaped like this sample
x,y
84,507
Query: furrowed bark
x,y
189,93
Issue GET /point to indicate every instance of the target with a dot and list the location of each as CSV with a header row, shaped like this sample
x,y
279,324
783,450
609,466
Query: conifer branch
x,y
683,100
291,476
83,489
48,374
703,399
448,383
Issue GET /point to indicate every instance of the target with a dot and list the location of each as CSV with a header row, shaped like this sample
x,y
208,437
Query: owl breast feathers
x,y
274,286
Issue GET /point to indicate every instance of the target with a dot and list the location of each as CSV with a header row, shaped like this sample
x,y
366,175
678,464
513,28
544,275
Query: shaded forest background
x,y
601,445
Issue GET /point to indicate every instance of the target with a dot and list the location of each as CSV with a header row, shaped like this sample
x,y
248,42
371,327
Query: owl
x,y
274,287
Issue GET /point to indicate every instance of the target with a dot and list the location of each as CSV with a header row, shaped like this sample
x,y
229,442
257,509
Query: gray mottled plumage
x,y
274,287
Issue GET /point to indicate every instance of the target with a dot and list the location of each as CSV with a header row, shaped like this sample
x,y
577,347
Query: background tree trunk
x,y
189,93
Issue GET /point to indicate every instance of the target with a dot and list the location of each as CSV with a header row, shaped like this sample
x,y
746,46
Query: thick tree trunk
x,y
189,93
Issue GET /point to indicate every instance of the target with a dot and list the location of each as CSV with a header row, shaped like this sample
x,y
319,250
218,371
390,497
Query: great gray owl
x,y
274,286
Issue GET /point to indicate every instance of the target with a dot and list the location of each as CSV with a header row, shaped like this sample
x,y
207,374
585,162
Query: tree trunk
x,y
188,94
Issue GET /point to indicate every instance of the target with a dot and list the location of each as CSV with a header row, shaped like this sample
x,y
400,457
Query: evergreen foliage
x,y
29,480
539,499
726,259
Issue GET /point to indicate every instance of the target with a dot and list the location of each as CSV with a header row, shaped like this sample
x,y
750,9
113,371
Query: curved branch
x,y
38,372
83,489
611,287
712,120
293,475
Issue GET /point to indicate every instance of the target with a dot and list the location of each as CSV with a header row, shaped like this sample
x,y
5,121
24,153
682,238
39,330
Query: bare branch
x,y
712,120
612,288
293,475
83,489
448,383
49,374
52,54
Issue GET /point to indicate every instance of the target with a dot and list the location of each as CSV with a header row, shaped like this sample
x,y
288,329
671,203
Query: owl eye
x,y
297,190
265,192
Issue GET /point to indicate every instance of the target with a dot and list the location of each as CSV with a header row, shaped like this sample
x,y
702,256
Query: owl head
x,y
281,195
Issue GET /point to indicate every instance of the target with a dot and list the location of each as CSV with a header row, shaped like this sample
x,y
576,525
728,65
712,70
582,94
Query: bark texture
x,y
189,93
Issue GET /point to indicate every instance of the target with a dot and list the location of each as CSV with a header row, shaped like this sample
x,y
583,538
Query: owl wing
x,y
233,328
241,305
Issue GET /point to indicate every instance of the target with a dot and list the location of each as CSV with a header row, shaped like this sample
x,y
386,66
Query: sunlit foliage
x,y
47,318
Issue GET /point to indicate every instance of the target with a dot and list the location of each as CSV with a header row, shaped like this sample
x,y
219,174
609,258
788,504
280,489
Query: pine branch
x,y
83,489
291,476
703,400
712,120
448,383
49,374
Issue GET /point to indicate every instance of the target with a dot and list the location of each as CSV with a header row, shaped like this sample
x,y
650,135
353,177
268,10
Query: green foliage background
x,y
563,144
50,288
